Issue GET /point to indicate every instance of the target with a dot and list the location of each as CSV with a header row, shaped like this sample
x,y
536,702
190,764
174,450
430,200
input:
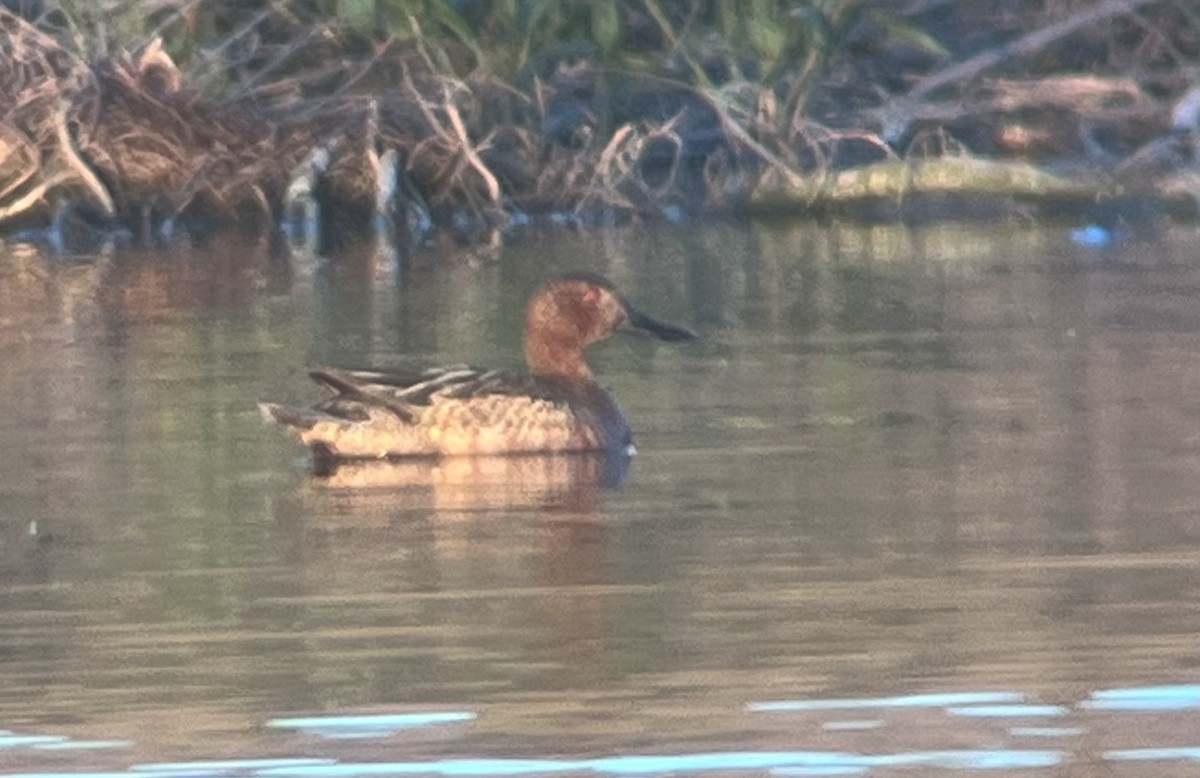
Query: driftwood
x,y
897,180
1028,44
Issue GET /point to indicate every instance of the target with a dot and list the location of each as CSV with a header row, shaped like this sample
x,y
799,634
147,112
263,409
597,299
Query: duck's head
x,y
572,312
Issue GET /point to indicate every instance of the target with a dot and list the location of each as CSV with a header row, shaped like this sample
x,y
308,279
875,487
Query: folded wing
x,y
445,410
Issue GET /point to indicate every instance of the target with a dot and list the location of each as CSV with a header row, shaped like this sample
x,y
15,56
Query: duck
x,y
554,406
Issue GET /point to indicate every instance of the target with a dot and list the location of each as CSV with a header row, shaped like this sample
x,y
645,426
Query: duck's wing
x,y
356,392
452,410
398,392
407,390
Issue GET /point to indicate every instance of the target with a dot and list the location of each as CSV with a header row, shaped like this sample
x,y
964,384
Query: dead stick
x,y
1022,46
71,156
34,196
468,150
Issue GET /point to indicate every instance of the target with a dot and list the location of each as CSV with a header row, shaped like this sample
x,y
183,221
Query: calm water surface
x,y
921,501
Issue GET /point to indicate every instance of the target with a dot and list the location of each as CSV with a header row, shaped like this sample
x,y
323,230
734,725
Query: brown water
x,y
920,501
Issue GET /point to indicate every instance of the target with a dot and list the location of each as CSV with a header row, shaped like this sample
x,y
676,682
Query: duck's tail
x,y
300,418
324,460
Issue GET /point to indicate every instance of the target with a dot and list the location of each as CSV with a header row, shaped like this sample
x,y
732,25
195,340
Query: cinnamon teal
x,y
557,406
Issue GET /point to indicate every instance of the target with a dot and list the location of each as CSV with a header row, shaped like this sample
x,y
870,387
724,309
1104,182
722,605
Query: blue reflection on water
x,y
227,766
906,701
83,745
1185,753
1176,697
783,763
808,763
92,775
1007,711
779,762
971,760
730,760
369,726
444,767
851,726
1093,236
10,740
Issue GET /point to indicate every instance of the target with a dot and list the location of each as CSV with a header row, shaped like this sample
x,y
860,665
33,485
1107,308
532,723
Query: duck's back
x,y
454,411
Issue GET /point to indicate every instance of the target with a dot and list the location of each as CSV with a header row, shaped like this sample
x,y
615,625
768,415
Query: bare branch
x,y
1023,46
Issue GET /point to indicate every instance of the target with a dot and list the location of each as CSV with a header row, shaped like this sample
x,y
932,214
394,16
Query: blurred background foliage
x,y
783,44
639,104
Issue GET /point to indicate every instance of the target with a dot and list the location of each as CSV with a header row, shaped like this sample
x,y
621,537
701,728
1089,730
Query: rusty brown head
x,y
572,312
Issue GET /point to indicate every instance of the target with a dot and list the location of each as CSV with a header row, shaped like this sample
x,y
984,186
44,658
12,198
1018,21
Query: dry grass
x,y
137,139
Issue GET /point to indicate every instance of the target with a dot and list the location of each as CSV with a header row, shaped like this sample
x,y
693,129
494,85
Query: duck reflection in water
x,y
557,407
480,483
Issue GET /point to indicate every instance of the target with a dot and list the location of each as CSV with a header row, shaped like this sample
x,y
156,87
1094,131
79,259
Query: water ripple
x,y
906,701
1175,697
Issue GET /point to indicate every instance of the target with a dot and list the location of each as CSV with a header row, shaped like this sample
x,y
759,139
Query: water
x,y
920,500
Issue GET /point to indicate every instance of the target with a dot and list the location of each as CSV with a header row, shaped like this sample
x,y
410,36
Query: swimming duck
x,y
557,406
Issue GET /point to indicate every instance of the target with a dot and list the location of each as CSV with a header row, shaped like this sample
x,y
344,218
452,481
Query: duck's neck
x,y
551,358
